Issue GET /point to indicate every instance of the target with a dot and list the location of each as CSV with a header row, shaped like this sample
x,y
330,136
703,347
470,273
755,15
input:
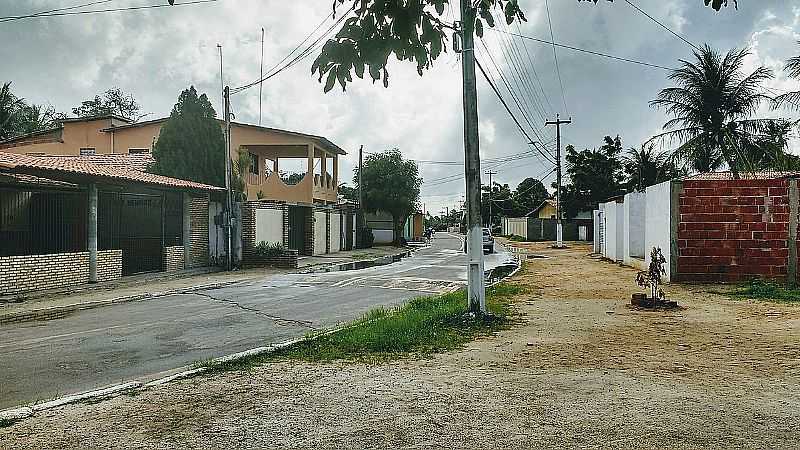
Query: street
x,y
140,340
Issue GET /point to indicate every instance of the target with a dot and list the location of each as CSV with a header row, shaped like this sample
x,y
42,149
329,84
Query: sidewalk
x,y
52,304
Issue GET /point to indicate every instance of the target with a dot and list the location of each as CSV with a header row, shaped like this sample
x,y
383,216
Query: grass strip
x,y
423,326
765,290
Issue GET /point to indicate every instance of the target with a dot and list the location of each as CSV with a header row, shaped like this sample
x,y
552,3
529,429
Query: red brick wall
x,y
733,230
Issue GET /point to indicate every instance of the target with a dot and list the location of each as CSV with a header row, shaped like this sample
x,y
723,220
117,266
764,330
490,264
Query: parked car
x,y
488,241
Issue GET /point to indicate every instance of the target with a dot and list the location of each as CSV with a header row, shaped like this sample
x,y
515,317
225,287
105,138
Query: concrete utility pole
x,y
261,83
559,231
228,200
491,196
476,293
360,218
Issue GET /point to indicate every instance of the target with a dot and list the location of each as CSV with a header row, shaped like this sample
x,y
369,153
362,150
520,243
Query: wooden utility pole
x,y
472,162
559,231
491,196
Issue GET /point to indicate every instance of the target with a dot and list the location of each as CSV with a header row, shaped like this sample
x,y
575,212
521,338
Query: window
x,y
253,163
87,151
138,151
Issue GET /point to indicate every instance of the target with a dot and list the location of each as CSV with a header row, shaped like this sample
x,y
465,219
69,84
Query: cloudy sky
x,y
156,53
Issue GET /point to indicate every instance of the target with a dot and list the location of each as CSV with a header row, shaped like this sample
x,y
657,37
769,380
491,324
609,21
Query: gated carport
x,y
67,220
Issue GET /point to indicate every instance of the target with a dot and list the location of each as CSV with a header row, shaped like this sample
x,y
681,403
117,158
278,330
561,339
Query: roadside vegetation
x,y
765,290
423,326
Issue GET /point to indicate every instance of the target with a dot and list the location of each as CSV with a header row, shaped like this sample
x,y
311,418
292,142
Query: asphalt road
x,y
95,348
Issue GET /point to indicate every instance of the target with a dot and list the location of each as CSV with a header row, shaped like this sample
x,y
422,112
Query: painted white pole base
x,y
559,236
476,289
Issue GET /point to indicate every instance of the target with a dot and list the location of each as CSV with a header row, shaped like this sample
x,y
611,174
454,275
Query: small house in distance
x,y
540,225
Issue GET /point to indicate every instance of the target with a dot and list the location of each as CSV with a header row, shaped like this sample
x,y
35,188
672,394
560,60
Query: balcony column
x,y
310,170
324,169
275,164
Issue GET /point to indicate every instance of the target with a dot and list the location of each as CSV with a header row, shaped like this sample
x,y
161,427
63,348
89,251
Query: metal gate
x,y
601,223
141,233
297,228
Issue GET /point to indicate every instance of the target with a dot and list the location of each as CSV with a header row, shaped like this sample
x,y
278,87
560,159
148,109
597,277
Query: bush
x,y
269,249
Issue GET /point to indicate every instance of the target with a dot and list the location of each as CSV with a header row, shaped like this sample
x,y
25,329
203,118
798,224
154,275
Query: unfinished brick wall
x,y
198,214
733,230
20,274
173,259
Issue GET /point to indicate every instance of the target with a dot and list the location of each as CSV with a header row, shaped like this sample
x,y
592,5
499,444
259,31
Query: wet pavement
x,y
94,348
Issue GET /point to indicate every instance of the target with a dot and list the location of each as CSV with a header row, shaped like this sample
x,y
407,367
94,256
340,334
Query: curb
x,y
57,312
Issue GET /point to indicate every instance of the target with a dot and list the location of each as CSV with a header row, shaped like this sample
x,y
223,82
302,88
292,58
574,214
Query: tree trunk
x,y
397,224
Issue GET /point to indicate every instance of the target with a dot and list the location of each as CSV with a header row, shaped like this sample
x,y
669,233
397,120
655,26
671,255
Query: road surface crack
x,y
277,319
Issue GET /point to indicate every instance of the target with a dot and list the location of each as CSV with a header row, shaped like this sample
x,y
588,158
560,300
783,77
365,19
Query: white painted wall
x,y
614,215
336,232
383,236
633,229
596,217
319,232
518,227
269,226
658,224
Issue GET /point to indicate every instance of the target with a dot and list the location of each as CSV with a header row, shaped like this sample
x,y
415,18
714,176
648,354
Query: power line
x,y
662,25
555,56
98,11
535,73
591,52
497,92
304,54
40,13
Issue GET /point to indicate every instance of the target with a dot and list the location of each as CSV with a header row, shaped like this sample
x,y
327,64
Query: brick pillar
x,y
794,199
187,230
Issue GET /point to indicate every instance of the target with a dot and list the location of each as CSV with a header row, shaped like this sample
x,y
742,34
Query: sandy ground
x,y
579,370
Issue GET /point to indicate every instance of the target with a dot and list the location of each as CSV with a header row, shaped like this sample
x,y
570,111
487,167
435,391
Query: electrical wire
x,y
109,10
40,13
555,56
591,52
662,25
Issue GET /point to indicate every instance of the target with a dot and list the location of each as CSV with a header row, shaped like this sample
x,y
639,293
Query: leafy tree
x,y
712,108
595,176
32,118
500,199
348,193
410,30
768,150
10,107
113,101
191,145
530,193
291,178
792,99
391,184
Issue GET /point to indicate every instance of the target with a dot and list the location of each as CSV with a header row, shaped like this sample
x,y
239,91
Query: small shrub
x,y
766,290
269,249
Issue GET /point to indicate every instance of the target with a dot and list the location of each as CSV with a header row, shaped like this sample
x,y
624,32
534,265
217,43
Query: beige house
x,y
546,210
271,151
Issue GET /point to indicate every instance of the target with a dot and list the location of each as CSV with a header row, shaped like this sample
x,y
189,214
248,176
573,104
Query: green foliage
x,y
595,176
423,326
348,193
391,184
191,145
19,118
530,193
644,168
765,290
712,106
113,101
269,249
240,169
293,178
366,238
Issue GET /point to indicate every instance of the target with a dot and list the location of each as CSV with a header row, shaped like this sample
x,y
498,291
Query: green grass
x,y
423,326
765,290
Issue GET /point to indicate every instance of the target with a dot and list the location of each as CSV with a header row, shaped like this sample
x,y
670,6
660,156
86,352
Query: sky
x,y
156,53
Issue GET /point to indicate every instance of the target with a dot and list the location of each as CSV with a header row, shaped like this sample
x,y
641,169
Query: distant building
x,y
540,224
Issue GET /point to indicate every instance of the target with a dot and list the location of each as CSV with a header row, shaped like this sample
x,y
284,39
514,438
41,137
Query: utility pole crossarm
x,y
559,230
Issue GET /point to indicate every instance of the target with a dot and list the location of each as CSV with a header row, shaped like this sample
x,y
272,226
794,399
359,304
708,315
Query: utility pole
x,y
491,195
476,292
261,83
360,225
559,231
228,201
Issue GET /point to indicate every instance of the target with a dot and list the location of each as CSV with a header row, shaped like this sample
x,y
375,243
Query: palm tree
x,y
791,99
9,107
712,108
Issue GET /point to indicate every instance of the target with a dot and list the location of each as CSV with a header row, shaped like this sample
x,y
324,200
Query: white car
x,y
488,241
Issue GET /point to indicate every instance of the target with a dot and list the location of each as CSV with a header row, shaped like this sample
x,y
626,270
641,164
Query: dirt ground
x,y
579,370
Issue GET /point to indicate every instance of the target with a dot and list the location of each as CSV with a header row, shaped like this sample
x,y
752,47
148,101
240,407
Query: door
x,y
141,233
297,228
583,233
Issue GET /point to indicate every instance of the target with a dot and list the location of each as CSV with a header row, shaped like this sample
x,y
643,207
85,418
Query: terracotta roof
x,y
83,166
32,180
767,175
137,161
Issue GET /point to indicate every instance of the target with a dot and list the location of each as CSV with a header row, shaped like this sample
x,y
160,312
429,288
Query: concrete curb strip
x,y
100,393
